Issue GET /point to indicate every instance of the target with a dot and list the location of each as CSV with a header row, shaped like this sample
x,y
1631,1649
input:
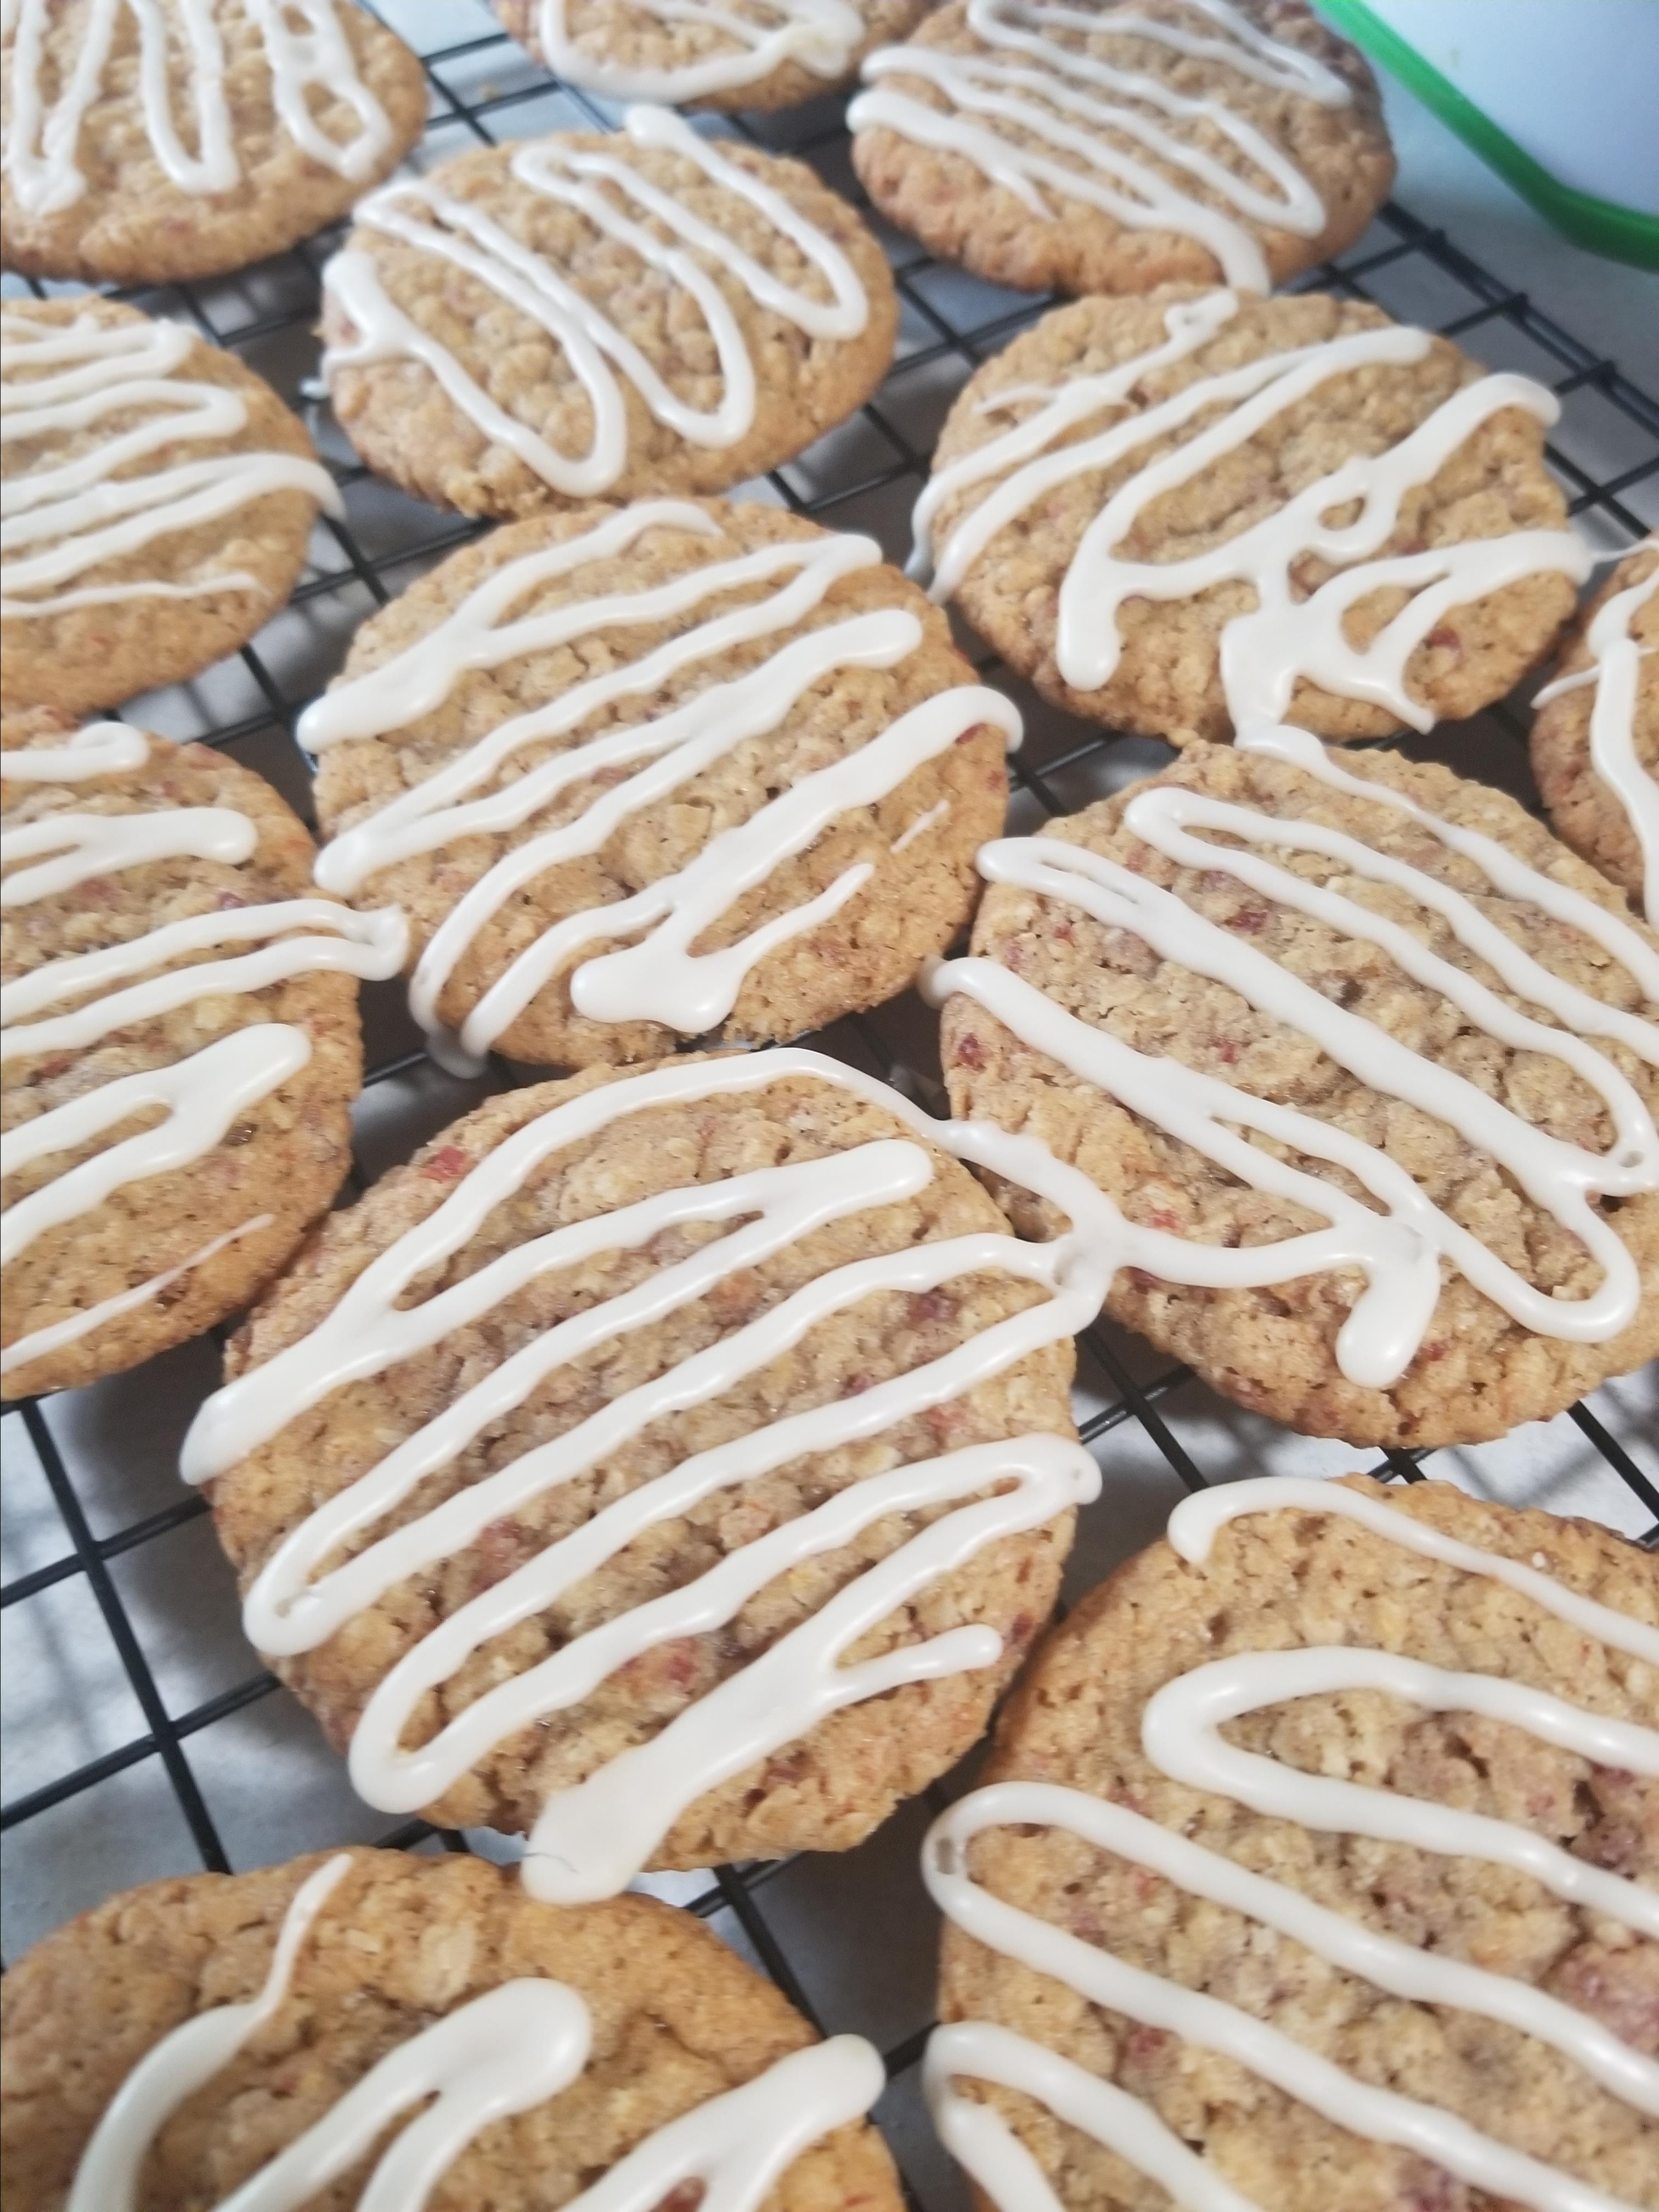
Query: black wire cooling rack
x,y
112,1740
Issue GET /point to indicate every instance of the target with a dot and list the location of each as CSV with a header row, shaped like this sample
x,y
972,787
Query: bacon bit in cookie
x,y
1250,919
1618,1987
932,1305
501,1547
445,1165
946,1421
970,1051
856,1385
684,2197
1443,640
1144,2046
1165,1217
227,900
1020,1630
1140,1278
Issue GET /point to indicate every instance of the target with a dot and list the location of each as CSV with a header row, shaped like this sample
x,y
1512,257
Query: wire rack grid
x,y
139,1742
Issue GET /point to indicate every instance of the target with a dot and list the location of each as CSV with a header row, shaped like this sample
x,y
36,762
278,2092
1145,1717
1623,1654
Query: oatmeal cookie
x,y
1596,735
181,1042
1181,513
628,2015
159,498
650,311
1319,943
638,774
1129,145
261,132
1273,1925
644,1522
755,54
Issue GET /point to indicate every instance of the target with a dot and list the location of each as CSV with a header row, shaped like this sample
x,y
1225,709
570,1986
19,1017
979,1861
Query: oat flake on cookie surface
x,y
160,141
661,771
673,1466
1112,148
375,2026
1316,1869
1182,514
180,1044
649,310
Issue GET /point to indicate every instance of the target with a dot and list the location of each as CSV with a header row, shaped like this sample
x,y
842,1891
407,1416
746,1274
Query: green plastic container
x,y
1561,97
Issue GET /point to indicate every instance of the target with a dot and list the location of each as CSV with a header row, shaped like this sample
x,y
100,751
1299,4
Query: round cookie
x,y
712,1373
1138,143
182,1043
158,497
1122,1856
1596,735
1184,513
265,133
1251,999
646,772
727,58
649,311
394,1958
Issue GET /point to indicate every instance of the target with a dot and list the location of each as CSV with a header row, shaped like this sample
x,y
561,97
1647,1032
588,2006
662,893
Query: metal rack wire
x,y
146,1731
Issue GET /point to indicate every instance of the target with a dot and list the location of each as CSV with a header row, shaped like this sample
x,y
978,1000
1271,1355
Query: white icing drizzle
x,y
44,141
63,519
1180,1739
590,1840
423,215
96,749
1615,666
658,978
500,2054
52,1338
82,845
365,944
1400,1250
202,1096
1283,637
923,823
1079,109
822,35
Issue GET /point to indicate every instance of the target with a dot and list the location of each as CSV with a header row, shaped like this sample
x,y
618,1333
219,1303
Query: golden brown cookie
x,y
651,311
181,1042
1596,735
153,145
770,56
1257,1000
723,1397
158,497
1323,2017
1183,514
597,2029
642,773
1116,148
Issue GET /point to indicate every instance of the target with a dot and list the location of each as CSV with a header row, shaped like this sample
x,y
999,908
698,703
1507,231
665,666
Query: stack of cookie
x,y
673,1462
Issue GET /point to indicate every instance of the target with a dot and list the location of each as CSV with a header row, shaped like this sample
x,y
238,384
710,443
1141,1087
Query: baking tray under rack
x,y
138,1738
